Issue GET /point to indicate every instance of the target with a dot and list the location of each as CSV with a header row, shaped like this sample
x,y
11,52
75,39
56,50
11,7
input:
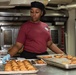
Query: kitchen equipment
x,y
3,53
8,36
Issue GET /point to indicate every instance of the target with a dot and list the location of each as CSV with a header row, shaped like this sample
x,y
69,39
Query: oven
x,y
8,36
58,35
55,33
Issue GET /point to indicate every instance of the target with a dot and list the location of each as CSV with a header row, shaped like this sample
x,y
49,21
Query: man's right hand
x,y
6,58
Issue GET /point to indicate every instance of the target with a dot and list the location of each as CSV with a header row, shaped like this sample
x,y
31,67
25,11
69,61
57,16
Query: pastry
x,y
40,62
21,66
69,57
73,59
46,57
15,68
28,65
8,66
14,63
73,62
58,56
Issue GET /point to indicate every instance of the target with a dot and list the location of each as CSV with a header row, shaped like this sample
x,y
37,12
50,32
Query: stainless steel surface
x,y
59,23
26,12
8,36
2,53
64,66
9,14
19,16
10,23
56,34
51,70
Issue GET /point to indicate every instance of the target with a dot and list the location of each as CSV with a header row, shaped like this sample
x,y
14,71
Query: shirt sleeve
x,y
21,34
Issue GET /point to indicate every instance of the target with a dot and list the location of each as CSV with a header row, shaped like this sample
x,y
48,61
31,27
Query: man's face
x,y
35,14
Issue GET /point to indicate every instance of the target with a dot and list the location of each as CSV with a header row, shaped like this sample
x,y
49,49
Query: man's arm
x,y
54,48
15,48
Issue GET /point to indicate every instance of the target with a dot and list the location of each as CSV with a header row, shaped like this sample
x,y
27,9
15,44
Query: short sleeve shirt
x,y
34,36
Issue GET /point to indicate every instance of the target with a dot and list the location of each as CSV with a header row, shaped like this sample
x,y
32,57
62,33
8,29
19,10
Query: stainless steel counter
x,y
51,70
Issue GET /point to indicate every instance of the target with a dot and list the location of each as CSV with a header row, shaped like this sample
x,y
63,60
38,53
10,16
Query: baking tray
x,y
59,62
44,56
34,61
15,72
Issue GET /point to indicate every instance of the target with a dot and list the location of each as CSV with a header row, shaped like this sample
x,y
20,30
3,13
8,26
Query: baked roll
x,y
7,66
69,57
21,66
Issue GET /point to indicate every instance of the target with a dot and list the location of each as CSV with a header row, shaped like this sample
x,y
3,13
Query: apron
x,y
30,55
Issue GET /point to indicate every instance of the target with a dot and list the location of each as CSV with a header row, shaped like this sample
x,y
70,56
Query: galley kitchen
x,y
60,17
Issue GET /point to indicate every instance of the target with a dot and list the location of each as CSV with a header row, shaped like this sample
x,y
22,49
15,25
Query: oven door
x,y
56,34
6,37
16,30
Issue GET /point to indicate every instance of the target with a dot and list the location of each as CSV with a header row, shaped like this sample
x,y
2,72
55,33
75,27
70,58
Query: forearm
x,y
55,49
13,50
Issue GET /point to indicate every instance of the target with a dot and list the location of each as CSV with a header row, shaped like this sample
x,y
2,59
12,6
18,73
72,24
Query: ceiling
x,y
60,1
60,4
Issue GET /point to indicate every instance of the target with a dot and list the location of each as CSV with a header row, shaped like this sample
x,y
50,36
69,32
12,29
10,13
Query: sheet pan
x,y
15,72
33,61
59,62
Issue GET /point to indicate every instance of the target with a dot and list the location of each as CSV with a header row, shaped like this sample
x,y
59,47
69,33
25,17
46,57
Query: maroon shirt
x,y
34,36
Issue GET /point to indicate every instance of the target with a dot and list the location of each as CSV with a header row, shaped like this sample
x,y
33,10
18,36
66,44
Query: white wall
x,y
70,35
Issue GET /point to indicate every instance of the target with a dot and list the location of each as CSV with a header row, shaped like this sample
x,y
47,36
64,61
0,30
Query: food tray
x,y
34,61
15,72
44,56
59,62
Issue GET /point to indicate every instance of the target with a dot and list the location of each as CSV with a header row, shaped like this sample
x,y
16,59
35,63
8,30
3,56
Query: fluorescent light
x,y
7,6
4,0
